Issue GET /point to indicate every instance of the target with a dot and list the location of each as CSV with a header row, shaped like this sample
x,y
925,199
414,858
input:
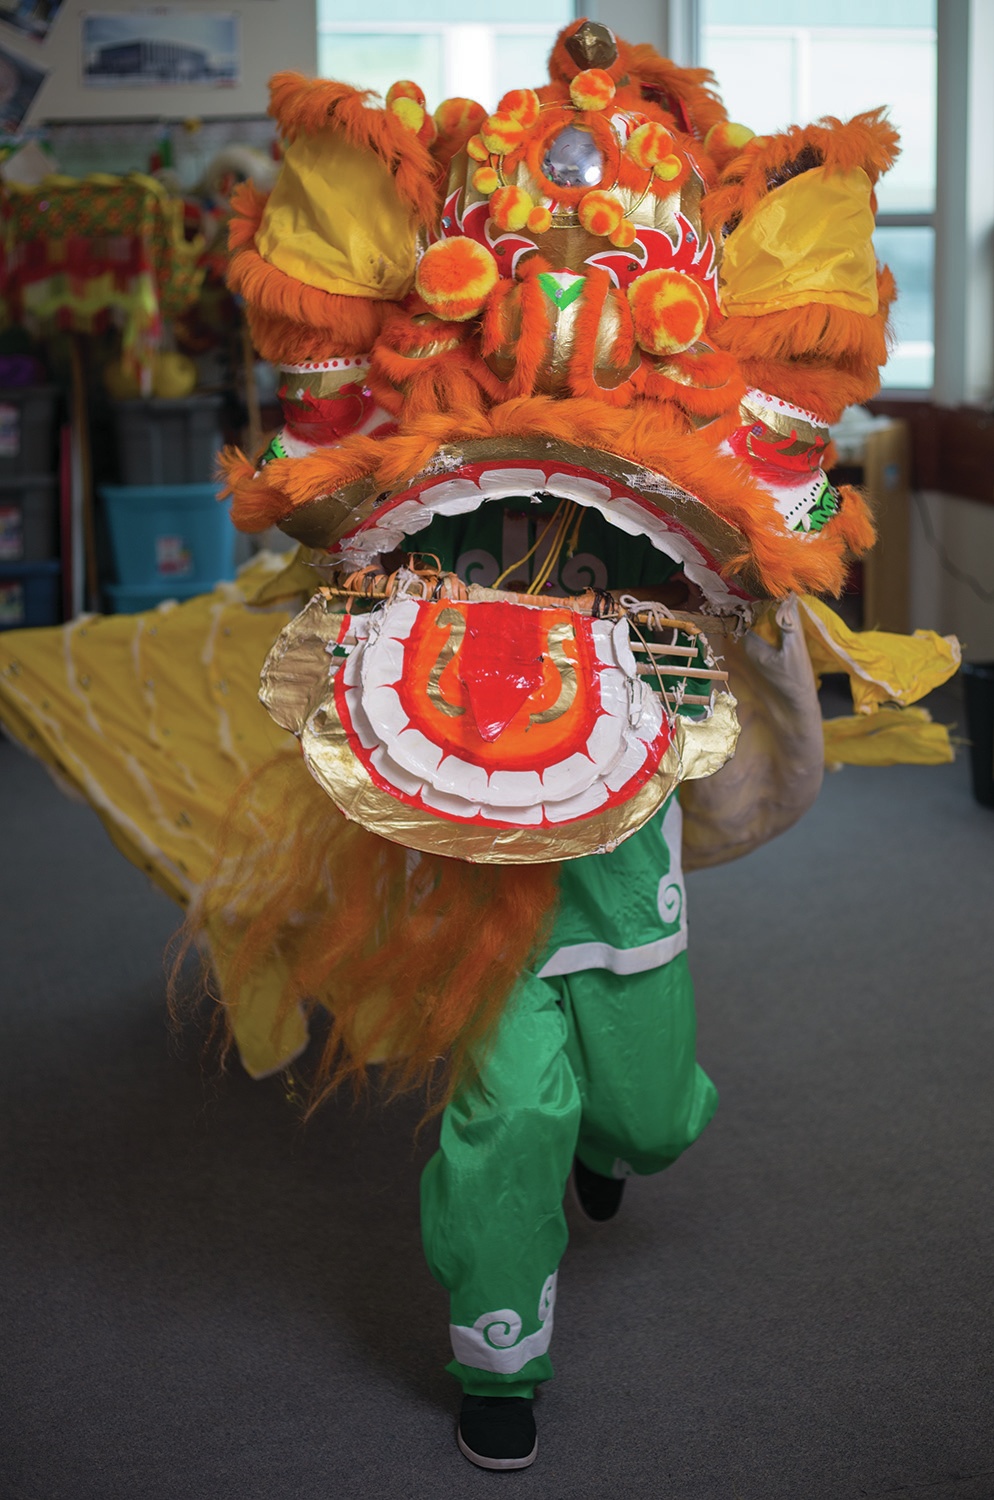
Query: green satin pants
x,y
594,1063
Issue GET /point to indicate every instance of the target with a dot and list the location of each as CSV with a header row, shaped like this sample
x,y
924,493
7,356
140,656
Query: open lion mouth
x,y
369,527
497,715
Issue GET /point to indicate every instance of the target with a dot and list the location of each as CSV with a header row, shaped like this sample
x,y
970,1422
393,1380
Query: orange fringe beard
x,y
413,956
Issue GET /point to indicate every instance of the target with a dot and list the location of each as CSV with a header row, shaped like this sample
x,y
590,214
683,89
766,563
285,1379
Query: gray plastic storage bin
x,y
29,519
168,442
27,429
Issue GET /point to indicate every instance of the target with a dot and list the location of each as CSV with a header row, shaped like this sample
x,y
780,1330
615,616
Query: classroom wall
x,y
952,541
274,34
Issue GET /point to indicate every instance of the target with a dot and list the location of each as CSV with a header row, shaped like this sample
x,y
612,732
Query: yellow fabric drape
x,y
891,737
810,240
882,667
334,221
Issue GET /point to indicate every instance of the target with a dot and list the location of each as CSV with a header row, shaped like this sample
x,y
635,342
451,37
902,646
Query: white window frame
x,y
964,209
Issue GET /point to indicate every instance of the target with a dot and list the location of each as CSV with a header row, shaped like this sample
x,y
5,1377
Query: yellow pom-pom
x,y
668,168
510,207
502,133
476,148
409,112
649,144
485,180
624,235
539,220
725,140
669,311
523,104
404,88
455,277
592,89
600,212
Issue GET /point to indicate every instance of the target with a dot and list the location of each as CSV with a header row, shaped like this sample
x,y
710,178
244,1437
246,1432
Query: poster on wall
x,y
33,17
160,49
19,85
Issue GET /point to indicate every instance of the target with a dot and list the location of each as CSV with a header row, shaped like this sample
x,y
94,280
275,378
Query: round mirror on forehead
x,y
574,159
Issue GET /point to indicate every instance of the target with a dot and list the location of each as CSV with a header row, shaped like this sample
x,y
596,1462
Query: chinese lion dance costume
x,y
557,384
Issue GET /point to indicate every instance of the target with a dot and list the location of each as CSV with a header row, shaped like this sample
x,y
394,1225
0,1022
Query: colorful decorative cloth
x,y
81,253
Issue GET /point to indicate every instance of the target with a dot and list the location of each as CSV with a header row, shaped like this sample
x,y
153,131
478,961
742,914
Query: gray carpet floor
x,y
203,1300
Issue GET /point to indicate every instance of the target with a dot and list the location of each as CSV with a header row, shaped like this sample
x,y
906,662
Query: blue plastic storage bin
x,y
132,598
169,535
30,594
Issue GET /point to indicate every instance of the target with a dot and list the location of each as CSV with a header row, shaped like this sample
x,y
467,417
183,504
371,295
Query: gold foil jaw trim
x,y
297,666
706,744
756,406
331,762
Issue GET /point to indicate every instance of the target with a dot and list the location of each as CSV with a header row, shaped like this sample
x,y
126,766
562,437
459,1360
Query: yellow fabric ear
x,y
882,667
334,221
810,240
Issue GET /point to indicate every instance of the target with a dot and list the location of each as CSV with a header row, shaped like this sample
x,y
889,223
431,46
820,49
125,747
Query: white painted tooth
x,y
606,742
398,618
621,642
629,516
378,539
615,691
453,497
395,775
579,487
601,634
649,719
416,753
382,663
521,817
513,481
409,515
514,788
385,712
452,807
458,778
569,776
364,731
581,806
353,666
631,762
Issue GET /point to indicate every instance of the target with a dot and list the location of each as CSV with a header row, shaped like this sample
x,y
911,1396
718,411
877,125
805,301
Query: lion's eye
x,y
574,159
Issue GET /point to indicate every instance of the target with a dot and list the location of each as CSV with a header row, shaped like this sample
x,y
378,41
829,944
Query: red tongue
x,y
500,663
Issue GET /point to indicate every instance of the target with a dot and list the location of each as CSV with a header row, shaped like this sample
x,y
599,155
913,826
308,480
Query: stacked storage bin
x,y
170,537
30,571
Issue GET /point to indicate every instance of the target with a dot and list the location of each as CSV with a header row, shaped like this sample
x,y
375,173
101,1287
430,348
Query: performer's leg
x,y
631,1045
492,1197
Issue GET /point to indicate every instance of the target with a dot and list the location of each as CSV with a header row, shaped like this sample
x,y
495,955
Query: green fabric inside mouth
x,y
480,545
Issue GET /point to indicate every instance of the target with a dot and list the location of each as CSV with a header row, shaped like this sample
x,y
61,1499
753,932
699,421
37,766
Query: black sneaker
x,y
497,1432
599,1198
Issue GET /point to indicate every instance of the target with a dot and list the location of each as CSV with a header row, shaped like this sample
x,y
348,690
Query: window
x,y
841,60
449,48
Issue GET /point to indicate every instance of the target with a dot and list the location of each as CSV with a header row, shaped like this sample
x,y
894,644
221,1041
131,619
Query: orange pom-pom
x,y
669,311
409,112
502,133
476,148
455,277
592,89
510,207
624,235
523,104
539,220
485,180
649,144
600,212
725,140
459,116
404,88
